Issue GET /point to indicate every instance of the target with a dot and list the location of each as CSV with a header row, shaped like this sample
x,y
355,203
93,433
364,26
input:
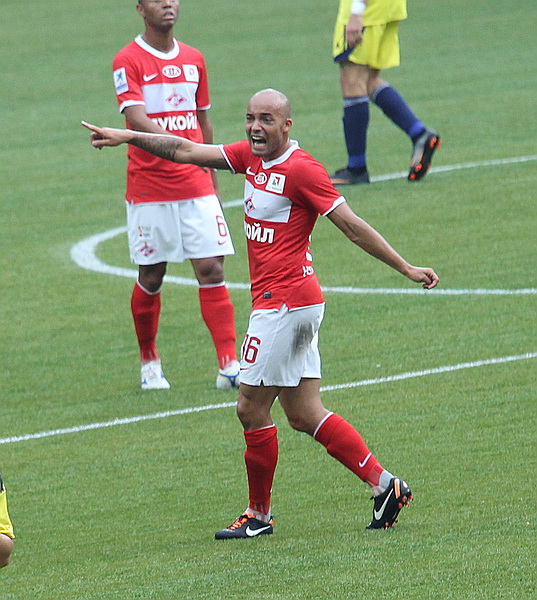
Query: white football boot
x,y
228,377
153,377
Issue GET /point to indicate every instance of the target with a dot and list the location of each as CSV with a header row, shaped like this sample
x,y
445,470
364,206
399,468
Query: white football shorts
x,y
281,346
177,231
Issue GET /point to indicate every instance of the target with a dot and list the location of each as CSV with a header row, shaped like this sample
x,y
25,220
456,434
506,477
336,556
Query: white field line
x,y
434,371
84,252
195,409
469,165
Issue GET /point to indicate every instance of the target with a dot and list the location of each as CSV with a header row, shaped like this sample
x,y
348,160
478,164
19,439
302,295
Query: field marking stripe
x,y
435,292
114,423
83,254
457,167
327,388
436,371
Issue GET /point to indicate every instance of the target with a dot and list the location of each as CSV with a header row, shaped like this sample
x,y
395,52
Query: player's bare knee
x,y
151,276
246,413
209,271
374,83
242,414
6,548
300,423
4,561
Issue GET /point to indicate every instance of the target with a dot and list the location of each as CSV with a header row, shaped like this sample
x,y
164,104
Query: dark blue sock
x,y
355,123
392,104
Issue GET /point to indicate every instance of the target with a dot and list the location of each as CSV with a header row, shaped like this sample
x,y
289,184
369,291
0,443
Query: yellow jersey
x,y
5,524
377,12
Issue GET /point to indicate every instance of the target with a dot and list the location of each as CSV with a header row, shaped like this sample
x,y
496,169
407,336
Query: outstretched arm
x,y
169,147
370,240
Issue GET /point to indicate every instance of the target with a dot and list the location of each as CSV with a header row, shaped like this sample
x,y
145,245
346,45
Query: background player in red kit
x,y
285,191
173,213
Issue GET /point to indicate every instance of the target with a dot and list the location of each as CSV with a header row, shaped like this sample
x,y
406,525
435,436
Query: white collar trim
x,y
281,159
162,55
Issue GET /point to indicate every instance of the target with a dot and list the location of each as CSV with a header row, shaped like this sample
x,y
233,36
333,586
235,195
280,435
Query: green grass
x,y
130,511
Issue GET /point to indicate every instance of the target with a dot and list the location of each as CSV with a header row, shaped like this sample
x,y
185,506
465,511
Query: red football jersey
x,y
282,200
172,86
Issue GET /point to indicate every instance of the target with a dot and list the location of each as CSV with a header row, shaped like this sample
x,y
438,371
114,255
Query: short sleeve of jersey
x,y
126,81
202,96
310,185
236,155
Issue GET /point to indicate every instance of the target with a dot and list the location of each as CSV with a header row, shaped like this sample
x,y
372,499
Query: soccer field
x,y
117,493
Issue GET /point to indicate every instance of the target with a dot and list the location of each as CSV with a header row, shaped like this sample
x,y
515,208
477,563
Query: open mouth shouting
x,y
258,143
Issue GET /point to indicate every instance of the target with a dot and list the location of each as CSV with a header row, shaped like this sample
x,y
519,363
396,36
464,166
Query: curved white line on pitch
x,y
327,388
84,252
84,255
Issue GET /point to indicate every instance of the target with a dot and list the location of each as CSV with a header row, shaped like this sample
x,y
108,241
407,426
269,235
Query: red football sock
x,y
146,311
219,316
261,457
345,444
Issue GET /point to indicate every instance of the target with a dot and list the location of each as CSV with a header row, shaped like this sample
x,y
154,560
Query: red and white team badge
x,y
261,178
146,250
249,204
175,99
